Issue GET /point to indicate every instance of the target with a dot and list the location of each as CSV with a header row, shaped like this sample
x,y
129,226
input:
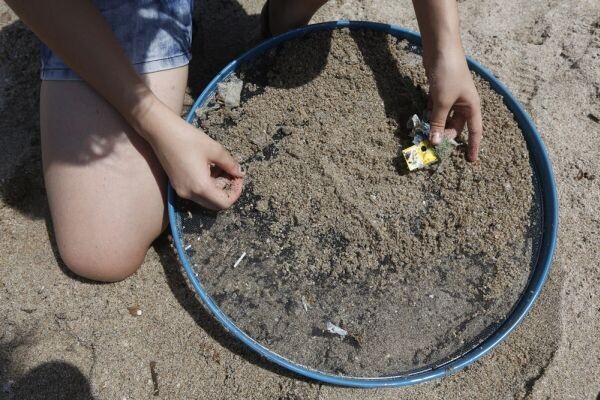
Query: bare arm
x,y
450,84
76,31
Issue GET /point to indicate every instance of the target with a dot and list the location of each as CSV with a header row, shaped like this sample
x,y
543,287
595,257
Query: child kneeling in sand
x,y
110,117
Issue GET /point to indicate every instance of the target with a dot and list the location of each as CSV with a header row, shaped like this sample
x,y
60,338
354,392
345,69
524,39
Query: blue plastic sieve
x,y
549,208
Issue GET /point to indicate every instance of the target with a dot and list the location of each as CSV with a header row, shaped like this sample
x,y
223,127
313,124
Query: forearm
x,y
76,31
438,23
453,97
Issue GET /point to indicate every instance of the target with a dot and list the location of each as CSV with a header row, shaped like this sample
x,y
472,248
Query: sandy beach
x,y
62,337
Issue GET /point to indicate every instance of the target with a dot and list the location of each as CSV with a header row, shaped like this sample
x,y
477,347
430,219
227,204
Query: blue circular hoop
x,y
541,164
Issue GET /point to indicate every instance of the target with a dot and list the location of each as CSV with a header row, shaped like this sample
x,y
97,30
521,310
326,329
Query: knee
x,y
101,263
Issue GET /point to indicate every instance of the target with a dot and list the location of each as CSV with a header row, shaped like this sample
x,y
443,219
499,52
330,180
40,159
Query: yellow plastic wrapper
x,y
419,155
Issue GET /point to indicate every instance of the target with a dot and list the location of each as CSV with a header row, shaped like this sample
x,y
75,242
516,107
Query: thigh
x,y
106,189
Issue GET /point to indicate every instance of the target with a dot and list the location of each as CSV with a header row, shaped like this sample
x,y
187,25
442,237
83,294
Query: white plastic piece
x,y
239,260
230,92
304,304
336,330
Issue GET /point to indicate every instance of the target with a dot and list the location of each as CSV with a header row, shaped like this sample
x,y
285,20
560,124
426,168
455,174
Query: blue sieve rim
x,y
549,198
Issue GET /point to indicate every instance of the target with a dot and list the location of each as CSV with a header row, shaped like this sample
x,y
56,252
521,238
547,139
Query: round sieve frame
x,y
542,168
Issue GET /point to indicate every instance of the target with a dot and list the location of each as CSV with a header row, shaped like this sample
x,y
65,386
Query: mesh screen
x,y
312,270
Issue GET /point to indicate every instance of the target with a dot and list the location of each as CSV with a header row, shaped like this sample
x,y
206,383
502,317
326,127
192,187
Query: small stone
x,y
134,311
262,205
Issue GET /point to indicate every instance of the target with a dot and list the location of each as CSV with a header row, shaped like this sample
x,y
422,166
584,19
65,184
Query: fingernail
x,y
436,137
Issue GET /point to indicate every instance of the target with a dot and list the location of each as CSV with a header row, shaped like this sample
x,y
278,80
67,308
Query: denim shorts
x,y
155,34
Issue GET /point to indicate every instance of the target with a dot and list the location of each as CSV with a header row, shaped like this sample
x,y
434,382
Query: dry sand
x,y
64,338
431,259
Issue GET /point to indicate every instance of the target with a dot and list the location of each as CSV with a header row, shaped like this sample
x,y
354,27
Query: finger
x,y
475,126
222,159
455,125
219,193
439,114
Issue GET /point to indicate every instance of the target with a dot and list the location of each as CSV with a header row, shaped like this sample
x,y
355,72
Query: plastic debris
x,y
419,130
230,91
304,304
336,330
239,260
421,153
186,248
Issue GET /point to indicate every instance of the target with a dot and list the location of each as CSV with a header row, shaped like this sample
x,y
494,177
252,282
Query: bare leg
x,y
289,14
105,187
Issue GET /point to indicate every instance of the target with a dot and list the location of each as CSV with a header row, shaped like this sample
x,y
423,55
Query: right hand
x,y
199,168
451,88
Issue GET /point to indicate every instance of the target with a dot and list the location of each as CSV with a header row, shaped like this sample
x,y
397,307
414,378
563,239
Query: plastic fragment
x,y
230,92
421,153
304,304
336,330
419,130
239,260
